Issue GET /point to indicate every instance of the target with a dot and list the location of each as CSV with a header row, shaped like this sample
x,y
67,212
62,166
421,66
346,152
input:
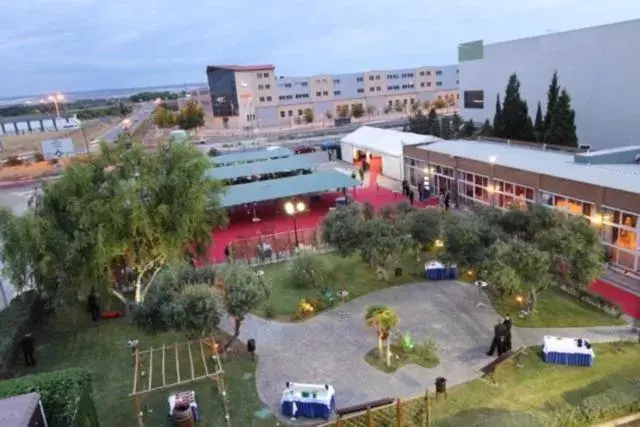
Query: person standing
x,y
411,197
28,345
507,324
497,343
447,200
94,306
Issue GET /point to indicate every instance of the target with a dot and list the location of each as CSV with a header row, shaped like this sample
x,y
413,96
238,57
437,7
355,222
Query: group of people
x,y
407,191
501,337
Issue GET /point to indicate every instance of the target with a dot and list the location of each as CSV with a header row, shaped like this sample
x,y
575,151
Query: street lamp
x,y
56,99
293,210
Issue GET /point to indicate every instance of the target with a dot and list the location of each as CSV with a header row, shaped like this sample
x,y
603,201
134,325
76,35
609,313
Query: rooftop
x,y
251,156
625,177
265,67
260,168
386,141
16,411
286,187
33,117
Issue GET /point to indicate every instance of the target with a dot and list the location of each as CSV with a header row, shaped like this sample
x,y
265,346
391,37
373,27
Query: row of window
x,y
289,85
265,99
264,87
338,92
265,75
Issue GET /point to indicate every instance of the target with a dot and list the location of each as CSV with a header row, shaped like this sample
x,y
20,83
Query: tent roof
x,y
16,411
260,168
252,156
286,187
385,141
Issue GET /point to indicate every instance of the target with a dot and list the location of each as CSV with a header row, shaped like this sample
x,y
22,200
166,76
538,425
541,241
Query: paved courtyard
x,y
330,348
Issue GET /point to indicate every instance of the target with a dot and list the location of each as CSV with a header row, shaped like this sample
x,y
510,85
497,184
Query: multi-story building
x,y
254,96
598,67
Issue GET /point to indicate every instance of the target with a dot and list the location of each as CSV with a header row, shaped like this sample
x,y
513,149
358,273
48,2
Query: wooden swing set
x,y
198,369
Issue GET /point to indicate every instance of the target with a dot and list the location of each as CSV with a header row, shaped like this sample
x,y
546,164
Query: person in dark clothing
x,y
405,187
498,342
507,323
94,306
227,252
28,345
420,191
411,196
447,201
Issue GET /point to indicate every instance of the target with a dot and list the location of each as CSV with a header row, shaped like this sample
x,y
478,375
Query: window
x,y
282,114
378,89
421,73
251,117
412,101
318,93
336,81
262,99
372,89
620,235
267,86
438,83
260,87
390,103
428,73
409,74
336,92
378,77
359,79
474,99
422,84
428,84
299,112
404,101
268,99
457,71
438,73
508,194
259,75
266,75
360,90
285,85
303,84
371,78
325,93
290,113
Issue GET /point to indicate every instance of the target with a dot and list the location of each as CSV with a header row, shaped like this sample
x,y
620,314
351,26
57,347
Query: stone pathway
x,y
330,348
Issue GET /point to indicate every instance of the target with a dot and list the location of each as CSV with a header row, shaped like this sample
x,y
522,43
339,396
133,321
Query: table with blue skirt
x,y
568,351
308,401
437,271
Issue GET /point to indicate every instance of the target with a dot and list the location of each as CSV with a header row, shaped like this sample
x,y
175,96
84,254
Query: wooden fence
x,y
274,247
412,412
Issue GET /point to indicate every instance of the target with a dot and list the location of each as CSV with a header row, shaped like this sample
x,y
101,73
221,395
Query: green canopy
x,y
260,168
251,156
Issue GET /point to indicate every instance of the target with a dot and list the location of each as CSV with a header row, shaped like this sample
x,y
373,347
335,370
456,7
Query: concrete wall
x,y
598,66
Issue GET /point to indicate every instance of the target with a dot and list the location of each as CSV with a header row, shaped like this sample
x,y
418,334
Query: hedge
x,y
624,398
15,321
60,392
595,300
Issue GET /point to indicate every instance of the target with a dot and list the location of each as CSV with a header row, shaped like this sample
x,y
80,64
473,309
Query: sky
x,y
72,45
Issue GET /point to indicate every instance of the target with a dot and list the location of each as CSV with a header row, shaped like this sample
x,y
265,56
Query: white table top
x,y
294,393
565,345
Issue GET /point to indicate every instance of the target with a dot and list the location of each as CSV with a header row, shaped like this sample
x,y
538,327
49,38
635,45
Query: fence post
x,y
369,417
427,408
398,413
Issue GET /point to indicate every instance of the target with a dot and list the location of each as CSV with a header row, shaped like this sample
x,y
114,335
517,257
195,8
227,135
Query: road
x,y
142,113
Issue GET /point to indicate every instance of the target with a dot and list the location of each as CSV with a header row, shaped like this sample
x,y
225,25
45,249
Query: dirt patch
x,y
31,171
31,142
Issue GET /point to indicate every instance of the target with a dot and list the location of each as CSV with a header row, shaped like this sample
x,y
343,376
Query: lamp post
x,y
56,99
293,210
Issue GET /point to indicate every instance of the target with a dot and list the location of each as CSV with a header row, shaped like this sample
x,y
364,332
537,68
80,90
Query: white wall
x,y
599,67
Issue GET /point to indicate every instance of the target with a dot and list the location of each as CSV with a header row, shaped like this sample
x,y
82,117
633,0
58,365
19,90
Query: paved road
x,y
330,347
142,113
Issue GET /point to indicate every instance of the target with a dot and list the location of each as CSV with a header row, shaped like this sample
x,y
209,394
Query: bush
x,y
14,161
622,399
60,392
269,311
596,300
304,309
213,152
15,321
307,271
427,352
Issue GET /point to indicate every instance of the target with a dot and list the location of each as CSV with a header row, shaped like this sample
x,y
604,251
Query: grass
x,y
536,387
73,340
350,274
556,309
18,144
423,355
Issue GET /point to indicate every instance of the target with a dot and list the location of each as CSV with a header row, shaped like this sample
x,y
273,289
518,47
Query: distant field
x,y
13,145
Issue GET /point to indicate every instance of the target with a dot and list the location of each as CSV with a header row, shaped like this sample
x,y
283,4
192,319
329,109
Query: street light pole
x,y
293,210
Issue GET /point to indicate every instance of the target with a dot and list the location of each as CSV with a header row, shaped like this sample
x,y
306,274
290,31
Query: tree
x,y
191,116
384,320
439,103
372,320
533,266
163,118
381,245
20,236
357,110
469,129
244,292
398,106
419,124
552,99
307,114
457,125
515,120
467,241
434,123
538,127
486,129
195,311
371,110
343,111
498,271
426,228
328,115
497,118
562,129
341,229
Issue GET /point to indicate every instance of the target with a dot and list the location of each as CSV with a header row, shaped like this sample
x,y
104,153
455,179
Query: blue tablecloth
x,y
308,409
444,273
571,359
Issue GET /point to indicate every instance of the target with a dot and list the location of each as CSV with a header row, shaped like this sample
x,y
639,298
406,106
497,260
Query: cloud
x,y
67,45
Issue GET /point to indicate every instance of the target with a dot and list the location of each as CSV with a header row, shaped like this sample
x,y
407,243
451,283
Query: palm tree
x,y
384,320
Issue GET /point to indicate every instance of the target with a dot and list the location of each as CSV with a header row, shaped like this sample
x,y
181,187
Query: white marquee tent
x,y
386,143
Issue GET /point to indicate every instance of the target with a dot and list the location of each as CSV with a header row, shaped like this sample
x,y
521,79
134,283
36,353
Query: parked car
x,y
304,149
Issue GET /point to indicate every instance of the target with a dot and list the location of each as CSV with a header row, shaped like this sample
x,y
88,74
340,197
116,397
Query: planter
x,y
183,416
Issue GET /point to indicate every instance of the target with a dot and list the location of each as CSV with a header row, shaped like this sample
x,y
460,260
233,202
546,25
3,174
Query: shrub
x,y
618,400
60,392
595,300
427,352
14,161
304,309
15,320
306,271
213,152
195,311
269,311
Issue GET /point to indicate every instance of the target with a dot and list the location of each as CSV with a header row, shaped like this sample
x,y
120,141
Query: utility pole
x,y
84,134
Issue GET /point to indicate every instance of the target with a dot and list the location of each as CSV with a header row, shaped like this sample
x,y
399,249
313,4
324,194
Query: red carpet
x,y
273,220
629,302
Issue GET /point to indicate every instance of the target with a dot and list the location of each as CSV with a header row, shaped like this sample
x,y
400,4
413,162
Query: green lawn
x,y
73,340
351,274
400,358
556,309
537,388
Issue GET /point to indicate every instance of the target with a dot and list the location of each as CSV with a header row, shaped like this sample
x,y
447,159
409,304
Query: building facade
x,y
598,67
21,125
254,96
604,187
